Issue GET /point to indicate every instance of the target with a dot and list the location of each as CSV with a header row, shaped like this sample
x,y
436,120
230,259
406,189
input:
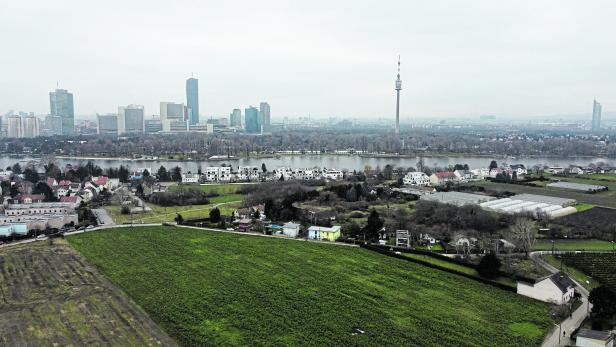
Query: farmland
x,y
213,288
50,296
600,266
573,245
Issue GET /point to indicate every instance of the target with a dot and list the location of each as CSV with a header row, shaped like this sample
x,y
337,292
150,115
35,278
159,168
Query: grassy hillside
x,y
213,288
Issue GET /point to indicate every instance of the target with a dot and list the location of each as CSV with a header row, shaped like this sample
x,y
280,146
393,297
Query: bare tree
x,y
524,233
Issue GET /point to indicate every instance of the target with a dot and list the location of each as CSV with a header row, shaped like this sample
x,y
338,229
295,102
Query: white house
x,y
190,178
416,178
333,174
594,338
290,229
557,288
439,178
576,170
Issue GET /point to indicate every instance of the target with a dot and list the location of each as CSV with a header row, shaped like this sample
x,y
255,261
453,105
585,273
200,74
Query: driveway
x,y
102,217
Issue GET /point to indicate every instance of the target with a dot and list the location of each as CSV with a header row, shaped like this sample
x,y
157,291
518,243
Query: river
x,y
350,162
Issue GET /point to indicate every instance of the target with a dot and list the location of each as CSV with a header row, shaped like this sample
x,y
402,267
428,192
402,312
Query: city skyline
x,y
470,59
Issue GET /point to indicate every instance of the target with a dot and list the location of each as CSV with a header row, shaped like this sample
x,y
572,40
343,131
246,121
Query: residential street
x,y
569,324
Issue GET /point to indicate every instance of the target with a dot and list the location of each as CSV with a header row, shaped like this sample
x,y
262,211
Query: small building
x,y
324,233
190,178
557,288
594,338
291,229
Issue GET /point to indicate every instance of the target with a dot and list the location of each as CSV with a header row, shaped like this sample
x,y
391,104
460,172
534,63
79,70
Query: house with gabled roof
x,y
557,288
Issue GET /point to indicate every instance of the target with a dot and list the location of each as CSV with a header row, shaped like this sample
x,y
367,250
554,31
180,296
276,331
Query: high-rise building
x,y
264,111
173,117
192,100
130,119
596,116
251,122
107,124
52,125
61,104
153,125
30,126
236,118
14,128
398,89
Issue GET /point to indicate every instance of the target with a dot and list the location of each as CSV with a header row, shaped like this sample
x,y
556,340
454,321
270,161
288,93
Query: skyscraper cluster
x,y
256,120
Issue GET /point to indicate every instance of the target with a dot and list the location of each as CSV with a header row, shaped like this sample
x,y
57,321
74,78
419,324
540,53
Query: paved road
x,y
556,337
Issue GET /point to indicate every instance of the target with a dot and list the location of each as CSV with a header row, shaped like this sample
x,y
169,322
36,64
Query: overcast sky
x,y
312,57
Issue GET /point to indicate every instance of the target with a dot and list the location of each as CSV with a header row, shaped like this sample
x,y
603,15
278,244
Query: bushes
x,y
125,210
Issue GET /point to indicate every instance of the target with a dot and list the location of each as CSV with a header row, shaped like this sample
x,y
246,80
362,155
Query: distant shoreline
x,y
269,156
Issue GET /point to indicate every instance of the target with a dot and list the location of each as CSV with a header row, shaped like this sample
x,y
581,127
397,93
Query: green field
x,y
160,214
586,281
215,288
573,245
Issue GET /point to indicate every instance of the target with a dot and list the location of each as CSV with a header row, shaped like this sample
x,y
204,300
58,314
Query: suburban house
x,y
291,229
481,173
464,175
439,178
576,170
594,338
190,178
557,288
556,170
416,178
324,233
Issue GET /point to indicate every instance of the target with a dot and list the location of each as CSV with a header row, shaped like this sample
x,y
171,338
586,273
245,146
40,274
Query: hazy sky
x,y
319,57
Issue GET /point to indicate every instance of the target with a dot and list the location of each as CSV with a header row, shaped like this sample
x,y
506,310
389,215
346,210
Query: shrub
x,y
489,266
125,210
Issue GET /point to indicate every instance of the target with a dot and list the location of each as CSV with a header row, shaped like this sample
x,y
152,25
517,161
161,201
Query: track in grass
x,y
214,288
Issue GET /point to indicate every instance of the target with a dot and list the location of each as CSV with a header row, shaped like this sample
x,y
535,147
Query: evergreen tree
x,y
373,226
489,266
215,215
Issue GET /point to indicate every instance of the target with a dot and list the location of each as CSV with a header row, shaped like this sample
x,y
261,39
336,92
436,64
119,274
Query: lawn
x,y
215,288
583,207
573,245
222,189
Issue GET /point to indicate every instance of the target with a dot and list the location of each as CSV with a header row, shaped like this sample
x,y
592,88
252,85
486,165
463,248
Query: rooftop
x,y
595,334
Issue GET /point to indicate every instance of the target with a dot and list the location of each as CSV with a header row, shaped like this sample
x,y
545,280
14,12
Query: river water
x,y
350,162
